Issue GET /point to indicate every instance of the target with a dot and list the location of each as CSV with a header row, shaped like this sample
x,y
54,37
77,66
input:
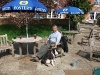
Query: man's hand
x,y
46,41
55,46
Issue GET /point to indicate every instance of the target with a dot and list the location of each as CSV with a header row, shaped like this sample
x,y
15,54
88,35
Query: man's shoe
x,y
64,53
35,59
31,59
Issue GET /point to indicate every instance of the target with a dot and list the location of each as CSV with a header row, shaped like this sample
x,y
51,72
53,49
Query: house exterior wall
x,y
56,6
95,8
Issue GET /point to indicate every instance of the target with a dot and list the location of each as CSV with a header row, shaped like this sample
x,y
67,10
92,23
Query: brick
x,y
88,72
74,72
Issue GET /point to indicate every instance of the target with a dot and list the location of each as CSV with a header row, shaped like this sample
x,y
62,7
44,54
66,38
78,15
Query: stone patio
x,y
12,66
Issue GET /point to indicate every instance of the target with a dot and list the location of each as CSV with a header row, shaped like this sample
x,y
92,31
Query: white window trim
x,y
95,14
51,15
97,4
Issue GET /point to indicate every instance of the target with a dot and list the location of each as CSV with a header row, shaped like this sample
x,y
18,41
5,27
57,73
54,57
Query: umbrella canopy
x,y
24,5
7,7
70,10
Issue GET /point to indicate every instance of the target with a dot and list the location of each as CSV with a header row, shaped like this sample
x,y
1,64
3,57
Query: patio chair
x,y
94,47
96,34
85,39
5,44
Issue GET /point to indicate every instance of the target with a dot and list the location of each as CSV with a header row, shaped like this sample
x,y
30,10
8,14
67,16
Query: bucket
x,y
74,63
96,71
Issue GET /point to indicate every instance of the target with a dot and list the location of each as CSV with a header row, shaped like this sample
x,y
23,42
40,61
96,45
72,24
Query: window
x,y
52,14
97,2
91,15
98,15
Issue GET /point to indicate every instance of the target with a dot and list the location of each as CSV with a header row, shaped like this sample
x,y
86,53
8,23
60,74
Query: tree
x,y
85,5
50,4
2,2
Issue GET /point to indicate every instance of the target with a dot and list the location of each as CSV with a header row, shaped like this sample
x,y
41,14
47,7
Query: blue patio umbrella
x,y
70,10
7,7
25,5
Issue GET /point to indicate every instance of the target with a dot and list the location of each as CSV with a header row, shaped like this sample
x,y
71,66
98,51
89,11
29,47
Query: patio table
x,y
70,32
26,40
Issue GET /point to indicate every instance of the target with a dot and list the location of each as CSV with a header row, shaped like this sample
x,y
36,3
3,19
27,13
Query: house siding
x,y
94,8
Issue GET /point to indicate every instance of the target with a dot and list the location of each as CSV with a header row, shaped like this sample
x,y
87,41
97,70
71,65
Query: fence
x,y
35,21
20,22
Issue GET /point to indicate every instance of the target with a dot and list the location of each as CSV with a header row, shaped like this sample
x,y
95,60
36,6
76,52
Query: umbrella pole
x,y
26,27
69,23
27,34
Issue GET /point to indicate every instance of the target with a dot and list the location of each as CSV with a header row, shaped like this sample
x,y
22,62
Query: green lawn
x,y
13,31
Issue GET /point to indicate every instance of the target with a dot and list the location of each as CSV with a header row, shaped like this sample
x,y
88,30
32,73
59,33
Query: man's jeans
x,y
43,50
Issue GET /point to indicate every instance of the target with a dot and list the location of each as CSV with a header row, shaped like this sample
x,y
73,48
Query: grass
x,y
13,31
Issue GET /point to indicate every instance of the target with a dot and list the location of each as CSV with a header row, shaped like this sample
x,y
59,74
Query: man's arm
x,y
48,38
